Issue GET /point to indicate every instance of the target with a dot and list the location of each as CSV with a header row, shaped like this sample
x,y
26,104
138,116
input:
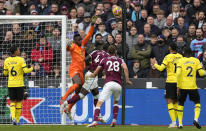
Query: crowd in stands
x,y
151,26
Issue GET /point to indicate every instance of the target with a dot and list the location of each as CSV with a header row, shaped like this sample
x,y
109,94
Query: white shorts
x,y
90,83
109,89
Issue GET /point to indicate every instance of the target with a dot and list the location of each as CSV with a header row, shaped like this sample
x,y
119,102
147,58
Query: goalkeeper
x,y
14,67
77,66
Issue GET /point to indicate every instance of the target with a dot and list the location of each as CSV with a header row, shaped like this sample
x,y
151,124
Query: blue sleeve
x,y
133,18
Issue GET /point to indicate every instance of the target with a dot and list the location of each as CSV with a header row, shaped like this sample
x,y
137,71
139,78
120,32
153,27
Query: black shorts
x,y
171,91
193,95
16,93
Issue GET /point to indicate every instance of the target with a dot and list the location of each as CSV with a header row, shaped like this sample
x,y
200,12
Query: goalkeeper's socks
x,y
96,114
13,110
70,91
171,111
115,111
180,114
197,111
18,111
95,102
74,99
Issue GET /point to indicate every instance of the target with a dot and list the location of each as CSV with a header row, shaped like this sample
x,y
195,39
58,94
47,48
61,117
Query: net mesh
x,y
40,45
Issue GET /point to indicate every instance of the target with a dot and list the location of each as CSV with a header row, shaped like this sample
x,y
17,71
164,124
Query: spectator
x,y
17,33
73,15
169,23
201,19
88,6
175,33
30,39
32,7
198,44
186,4
21,8
155,10
49,27
38,71
43,8
167,35
56,73
69,3
140,23
80,14
118,44
190,35
101,30
181,44
107,14
109,41
43,54
55,8
160,20
203,61
147,32
85,25
136,13
129,25
55,42
129,8
6,44
183,14
131,39
196,7
117,30
64,11
142,52
153,40
204,29
2,8
26,58
181,26
10,4
159,52
175,11
135,71
154,28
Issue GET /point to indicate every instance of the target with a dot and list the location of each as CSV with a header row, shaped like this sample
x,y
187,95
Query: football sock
x,y
18,111
115,111
180,114
176,108
74,99
13,110
70,106
197,111
95,102
171,112
70,91
96,113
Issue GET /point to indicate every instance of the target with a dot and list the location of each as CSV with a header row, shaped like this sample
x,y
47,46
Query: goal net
x,y
42,42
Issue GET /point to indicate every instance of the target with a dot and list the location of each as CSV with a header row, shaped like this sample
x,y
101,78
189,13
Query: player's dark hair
x,y
13,49
111,49
76,36
98,35
187,52
173,46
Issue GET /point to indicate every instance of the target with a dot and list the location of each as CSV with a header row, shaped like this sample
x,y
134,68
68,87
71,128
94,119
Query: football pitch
x,y
98,128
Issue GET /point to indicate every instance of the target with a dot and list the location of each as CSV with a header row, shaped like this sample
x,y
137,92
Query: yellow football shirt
x,y
14,68
170,63
186,72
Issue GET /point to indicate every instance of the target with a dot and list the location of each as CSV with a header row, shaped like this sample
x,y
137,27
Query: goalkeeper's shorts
x,y
90,83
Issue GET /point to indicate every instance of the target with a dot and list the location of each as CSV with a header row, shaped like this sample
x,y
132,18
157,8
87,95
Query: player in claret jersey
x,y
90,83
112,67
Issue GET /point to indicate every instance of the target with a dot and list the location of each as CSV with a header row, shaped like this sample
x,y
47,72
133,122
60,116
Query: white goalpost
x,y
48,82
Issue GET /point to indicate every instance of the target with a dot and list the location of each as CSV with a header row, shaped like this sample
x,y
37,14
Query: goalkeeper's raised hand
x,y
69,42
93,19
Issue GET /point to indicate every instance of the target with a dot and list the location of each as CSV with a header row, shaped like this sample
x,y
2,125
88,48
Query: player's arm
x,y
24,67
91,30
6,72
96,72
162,66
126,73
200,70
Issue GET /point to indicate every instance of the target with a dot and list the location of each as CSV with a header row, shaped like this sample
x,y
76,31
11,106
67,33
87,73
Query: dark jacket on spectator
x,y
43,11
142,53
22,9
188,38
46,54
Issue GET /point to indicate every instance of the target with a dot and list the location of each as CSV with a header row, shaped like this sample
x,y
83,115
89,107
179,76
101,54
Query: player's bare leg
x,y
171,110
115,113
96,114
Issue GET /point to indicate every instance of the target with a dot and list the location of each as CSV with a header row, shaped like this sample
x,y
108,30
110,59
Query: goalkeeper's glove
x,y
69,42
93,20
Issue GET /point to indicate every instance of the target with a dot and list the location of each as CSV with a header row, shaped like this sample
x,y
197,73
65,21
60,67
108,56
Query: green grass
x,y
99,128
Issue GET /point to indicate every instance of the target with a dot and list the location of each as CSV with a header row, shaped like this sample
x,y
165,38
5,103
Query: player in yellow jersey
x,y
187,68
14,67
170,62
